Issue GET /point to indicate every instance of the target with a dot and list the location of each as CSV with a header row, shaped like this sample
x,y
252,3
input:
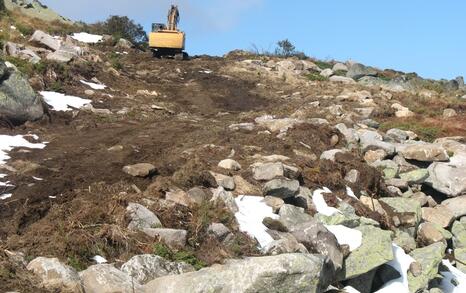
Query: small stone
x,y
229,164
334,140
352,176
330,154
372,156
219,230
415,269
139,170
116,148
399,183
141,217
89,92
406,209
448,113
243,187
416,176
180,197
428,234
174,238
275,202
274,224
425,153
198,195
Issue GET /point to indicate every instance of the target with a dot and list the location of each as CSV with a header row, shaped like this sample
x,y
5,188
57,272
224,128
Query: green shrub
x,y
323,65
25,29
315,76
180,256
120,27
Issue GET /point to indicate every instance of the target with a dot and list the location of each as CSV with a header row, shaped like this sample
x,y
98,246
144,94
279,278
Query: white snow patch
x,y
8,142
252,210
94,86
61,102
37,178
5,196
13,27
345,235
52,196
401,263
349,289
451,277
206,71
87,38
350,193
321,205
99,259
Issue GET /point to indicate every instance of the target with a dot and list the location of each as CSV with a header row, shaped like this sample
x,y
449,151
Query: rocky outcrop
x,y
18,101
281,273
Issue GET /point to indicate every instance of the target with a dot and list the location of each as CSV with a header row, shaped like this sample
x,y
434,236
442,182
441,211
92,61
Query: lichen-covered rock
x,y
105,278
146,267
425,153
141,217
282,188
281,273
407,210
375,250
55,275
429,257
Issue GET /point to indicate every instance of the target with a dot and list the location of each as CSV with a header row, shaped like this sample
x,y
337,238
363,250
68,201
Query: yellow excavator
x,y
167,40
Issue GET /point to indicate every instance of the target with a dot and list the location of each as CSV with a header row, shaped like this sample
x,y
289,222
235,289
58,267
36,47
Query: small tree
x,y
285,48
122,27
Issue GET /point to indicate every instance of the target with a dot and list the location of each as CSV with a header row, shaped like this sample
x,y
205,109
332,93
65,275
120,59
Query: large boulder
x,y
280,273
456,205
425,153
146,267
448,178
141,217
18,101
105,278
357,71
55,275
45,40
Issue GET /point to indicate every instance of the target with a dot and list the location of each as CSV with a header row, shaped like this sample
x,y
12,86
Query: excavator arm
x,y
173,18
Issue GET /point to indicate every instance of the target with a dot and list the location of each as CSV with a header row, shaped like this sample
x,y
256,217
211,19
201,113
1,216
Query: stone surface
x,y
229,164
287,244
459,234
105,278
315,237
226,197
342,79
45,40
425,153
416,176
280,273
55,275
448,113
267,171
291,216
456,205
139,170
18,101
282,188
357,71
439,215
371,140
224,181
141,217
407,210
174,238
428,233
405,241
219,230
330,154
375,250
275,202
146,267
180,197
448,178
372,156
352,176
243,187
429,257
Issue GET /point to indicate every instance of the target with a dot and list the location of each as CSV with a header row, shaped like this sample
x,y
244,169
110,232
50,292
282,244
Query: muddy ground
x,y
78,210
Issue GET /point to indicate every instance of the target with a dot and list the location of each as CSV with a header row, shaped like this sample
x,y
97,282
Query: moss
x,y
427,133
179,256
315,76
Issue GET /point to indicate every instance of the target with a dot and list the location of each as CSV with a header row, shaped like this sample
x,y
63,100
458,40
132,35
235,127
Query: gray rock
x,y
396,135
399,183
60,56
224,181
326,73
198,195
287,244
370,123
459,234
315,237
226,197
340,67
448,178
357,71
124,44
146,267
141,217
330,154
139,170
267,171
18,102
375,250
45,40
180,197
456,205
403,165
352,176
405,241
174,238
429,257
55,275
389,168
281,273
229,164
350,134
105,278
424,153
341,79
219,230
290,216
282,188
439,215
371,140
274,202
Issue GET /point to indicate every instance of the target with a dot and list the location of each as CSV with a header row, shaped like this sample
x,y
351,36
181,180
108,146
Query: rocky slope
x,y
237,174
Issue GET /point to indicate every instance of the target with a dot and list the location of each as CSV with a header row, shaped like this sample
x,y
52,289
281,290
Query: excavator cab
x,y
167,40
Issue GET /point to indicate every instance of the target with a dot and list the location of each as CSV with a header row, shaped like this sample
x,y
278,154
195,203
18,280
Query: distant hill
x,y
34,8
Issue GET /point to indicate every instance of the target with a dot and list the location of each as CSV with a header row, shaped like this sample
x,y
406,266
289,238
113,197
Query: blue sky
x,y
423,36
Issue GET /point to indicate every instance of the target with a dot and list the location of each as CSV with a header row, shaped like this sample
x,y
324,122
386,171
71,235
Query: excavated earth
x,y
78,209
